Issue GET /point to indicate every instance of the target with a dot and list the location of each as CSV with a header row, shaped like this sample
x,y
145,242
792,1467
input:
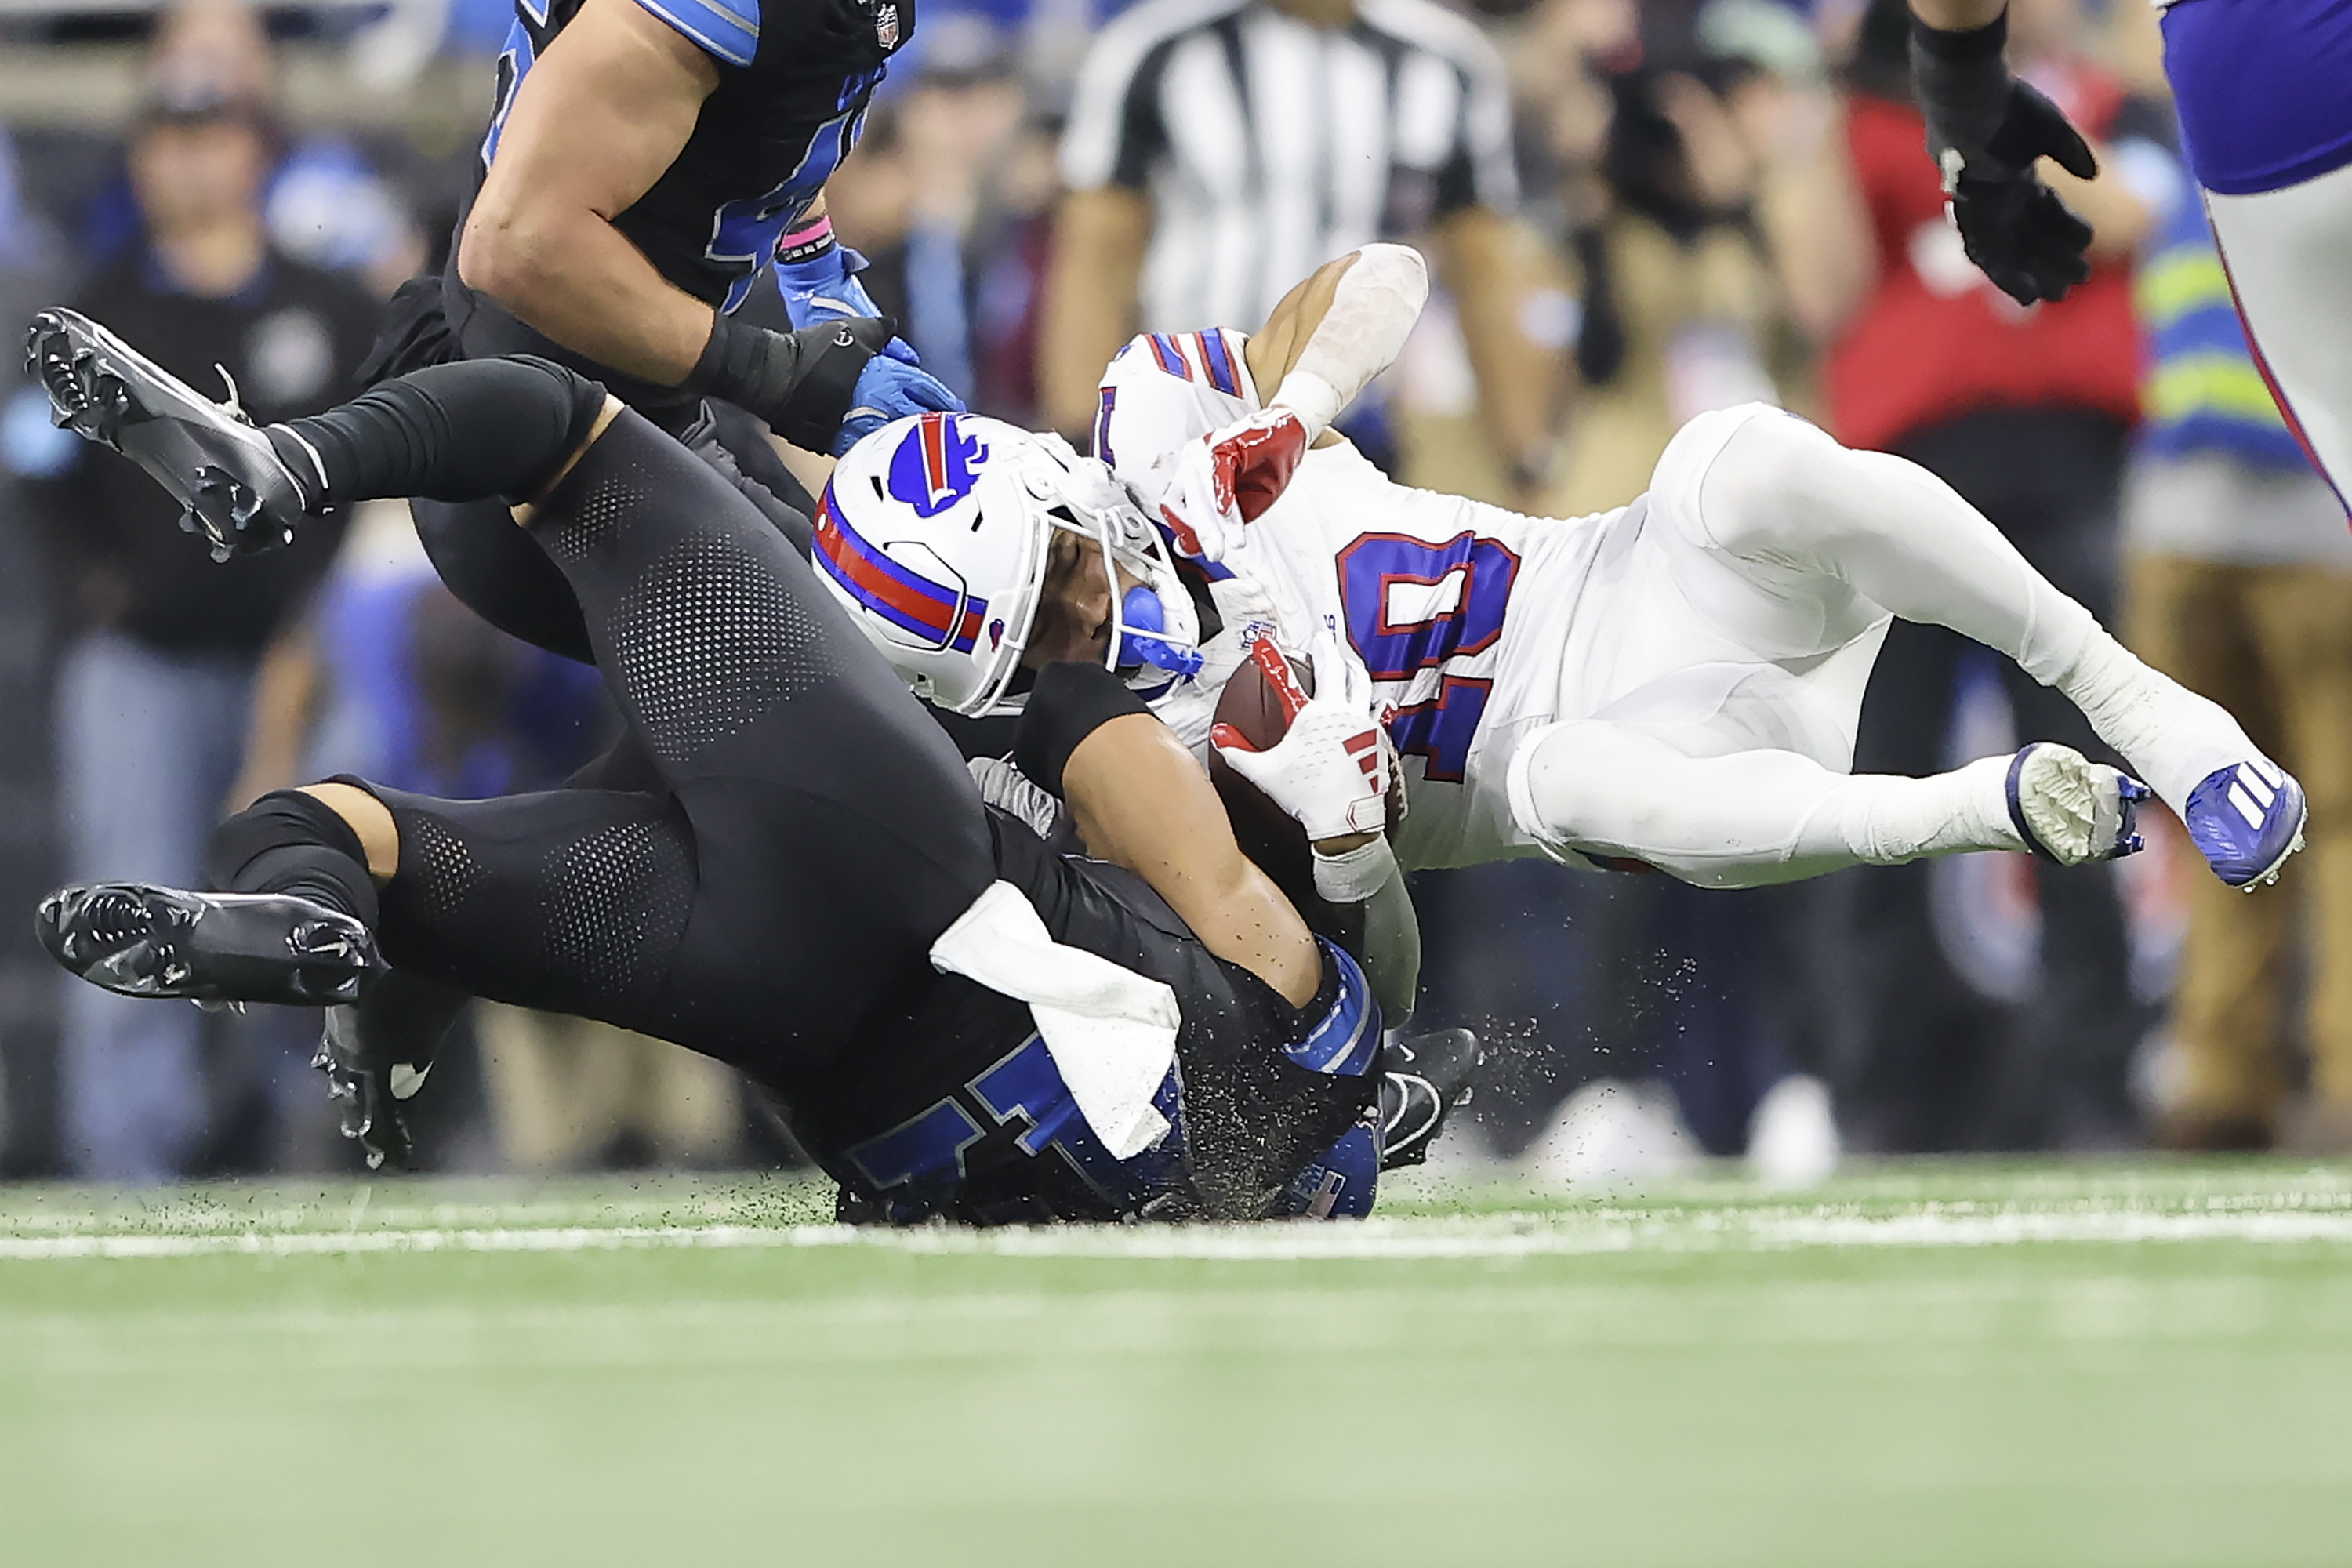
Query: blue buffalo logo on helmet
x,y
936,465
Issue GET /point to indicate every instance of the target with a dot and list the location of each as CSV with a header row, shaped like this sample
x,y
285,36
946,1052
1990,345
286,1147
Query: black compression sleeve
x,y
459,432
1069,702
1962,82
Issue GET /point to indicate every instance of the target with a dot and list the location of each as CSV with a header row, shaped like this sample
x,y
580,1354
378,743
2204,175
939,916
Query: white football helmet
x,y
935,532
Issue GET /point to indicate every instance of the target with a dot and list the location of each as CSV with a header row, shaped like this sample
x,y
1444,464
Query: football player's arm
x,y
1363,870
600,117
1090,299
1335,330
1988,134
1142,802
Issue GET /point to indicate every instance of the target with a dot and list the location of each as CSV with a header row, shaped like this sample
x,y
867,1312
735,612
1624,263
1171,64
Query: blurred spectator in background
x,y
154,691
951,200
1216,154
2027,414
322,203
2240,586
31,267
1682,310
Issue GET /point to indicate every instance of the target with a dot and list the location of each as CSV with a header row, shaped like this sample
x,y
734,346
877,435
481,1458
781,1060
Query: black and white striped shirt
x,y
1269,146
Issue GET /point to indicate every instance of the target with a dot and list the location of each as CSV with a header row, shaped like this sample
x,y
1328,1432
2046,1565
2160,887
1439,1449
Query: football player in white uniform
x,y
1677,682
1674,684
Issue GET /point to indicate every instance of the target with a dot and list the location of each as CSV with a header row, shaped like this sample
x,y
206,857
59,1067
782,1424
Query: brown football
x,y
1267,834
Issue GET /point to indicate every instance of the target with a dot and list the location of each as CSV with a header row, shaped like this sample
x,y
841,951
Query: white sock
x,y
2171,737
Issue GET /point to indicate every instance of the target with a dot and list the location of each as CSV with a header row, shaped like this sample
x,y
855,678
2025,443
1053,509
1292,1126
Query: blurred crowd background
x,y
1636,212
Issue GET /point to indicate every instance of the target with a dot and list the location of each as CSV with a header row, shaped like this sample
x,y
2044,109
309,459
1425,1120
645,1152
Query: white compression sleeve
x,y
1373,312
1392,956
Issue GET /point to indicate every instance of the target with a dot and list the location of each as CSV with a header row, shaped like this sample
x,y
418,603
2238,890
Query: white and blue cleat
x,y
2246,820
2072,810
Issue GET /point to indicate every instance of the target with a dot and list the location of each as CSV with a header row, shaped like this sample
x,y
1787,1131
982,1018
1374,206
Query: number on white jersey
x,y
1412,605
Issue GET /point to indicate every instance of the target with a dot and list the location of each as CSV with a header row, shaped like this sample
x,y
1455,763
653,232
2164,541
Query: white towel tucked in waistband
x,y
1111,1031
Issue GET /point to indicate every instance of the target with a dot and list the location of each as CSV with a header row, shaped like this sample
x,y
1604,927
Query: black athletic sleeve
x,y
1069,702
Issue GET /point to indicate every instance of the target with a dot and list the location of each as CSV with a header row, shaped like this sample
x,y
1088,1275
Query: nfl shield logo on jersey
x,y
936,465
886,25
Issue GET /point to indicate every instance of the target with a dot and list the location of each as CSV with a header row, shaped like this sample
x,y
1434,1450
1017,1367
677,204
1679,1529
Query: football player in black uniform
x,y
650,209
785,864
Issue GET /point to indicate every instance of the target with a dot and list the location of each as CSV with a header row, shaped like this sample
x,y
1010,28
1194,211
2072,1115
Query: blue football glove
x,y
891,386
825,288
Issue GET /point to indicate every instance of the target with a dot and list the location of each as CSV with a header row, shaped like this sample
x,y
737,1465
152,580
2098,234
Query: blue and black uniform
x,y
760,870
794,80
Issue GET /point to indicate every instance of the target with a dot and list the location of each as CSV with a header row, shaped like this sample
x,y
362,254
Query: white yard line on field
x,y
1503,1235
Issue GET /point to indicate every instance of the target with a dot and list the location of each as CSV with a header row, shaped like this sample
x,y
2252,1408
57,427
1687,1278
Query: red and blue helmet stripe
x,y
940,612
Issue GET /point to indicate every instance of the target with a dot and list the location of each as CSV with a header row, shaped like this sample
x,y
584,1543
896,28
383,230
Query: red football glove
x,y
1229,477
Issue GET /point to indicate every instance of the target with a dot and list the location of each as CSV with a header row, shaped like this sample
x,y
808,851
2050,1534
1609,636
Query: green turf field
x,y
2145,1364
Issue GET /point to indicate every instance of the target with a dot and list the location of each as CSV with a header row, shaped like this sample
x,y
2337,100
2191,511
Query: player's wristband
x,y
800,383
806,244
1315,400
1357,875
1069,702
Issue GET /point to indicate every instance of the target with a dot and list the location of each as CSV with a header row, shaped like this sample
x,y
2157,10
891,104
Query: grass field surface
x,y
1935,1363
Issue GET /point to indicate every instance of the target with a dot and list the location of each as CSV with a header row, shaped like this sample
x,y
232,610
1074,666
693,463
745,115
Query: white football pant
x,y
2289,254
1745,616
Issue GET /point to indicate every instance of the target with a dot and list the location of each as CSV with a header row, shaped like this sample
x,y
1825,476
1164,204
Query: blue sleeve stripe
x,y
728,31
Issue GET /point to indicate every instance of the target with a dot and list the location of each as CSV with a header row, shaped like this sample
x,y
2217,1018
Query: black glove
x,y
1985,129
800,383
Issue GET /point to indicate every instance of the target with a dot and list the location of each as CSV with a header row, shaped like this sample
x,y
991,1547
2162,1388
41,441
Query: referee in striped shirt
x,y
1219,151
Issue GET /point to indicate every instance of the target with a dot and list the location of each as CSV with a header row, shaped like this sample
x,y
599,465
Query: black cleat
x,y
230,481
145,941
376,1053
1421,1080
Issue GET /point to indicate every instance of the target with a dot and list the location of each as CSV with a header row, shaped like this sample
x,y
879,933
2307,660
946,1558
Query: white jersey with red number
x,y
1460,613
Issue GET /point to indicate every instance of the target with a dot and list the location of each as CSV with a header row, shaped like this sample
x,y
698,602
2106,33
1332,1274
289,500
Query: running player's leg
x,y
1779,499
2268,128
2285,252
1726,761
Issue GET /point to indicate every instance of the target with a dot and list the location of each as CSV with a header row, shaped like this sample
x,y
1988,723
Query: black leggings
x,y
498,574
796,832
